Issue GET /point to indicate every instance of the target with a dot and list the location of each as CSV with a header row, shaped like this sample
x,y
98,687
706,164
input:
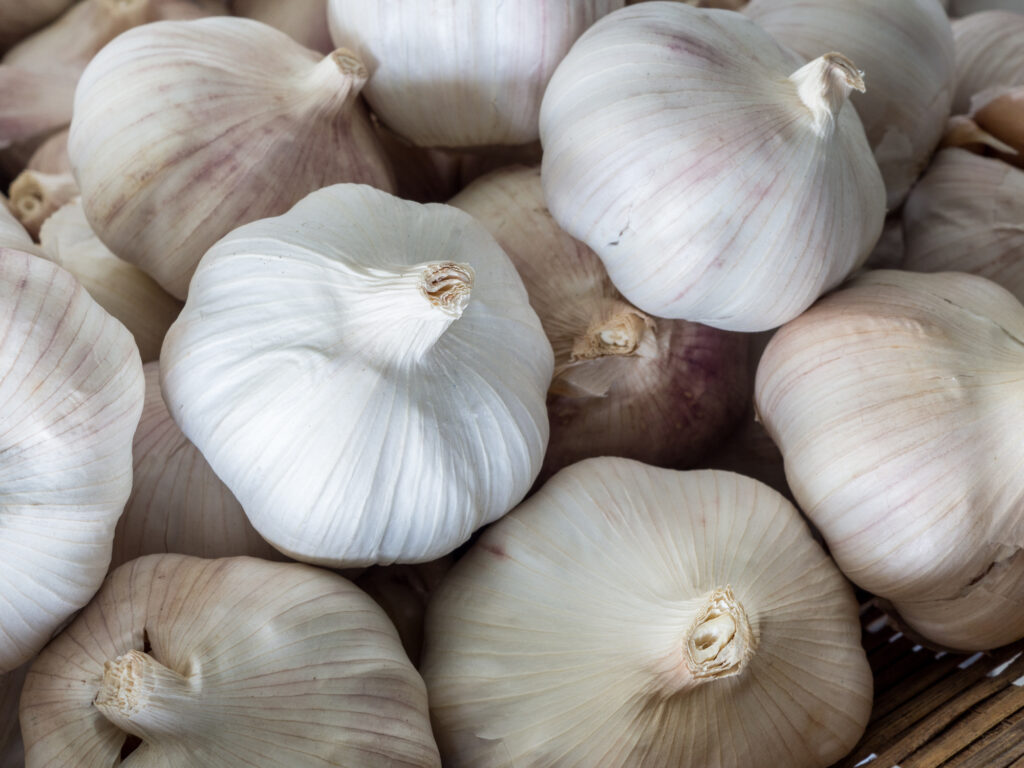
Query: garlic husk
x,y
989,54
36,196
628,615
906,52
52,155
226,662
461,73
736,211
245,122
70,398
124,290
625,384
305,21
365,374
965,215
19,18
966,7
894,402
12,752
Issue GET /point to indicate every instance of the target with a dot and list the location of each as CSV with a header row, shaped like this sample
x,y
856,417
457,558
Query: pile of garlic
x,y
498,310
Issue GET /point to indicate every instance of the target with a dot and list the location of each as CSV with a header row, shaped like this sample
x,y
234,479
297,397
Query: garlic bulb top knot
x,y
824,85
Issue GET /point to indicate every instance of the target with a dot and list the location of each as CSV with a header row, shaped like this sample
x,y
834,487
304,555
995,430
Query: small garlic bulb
x,y
185,130
719,181
906,51
965,215
625,384
19,18
461,73
305,21
631,616
365,374
181,661
895,403
989,55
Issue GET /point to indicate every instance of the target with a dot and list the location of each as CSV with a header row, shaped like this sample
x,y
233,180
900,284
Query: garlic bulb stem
x,y
325,77
144,698
824,85
617,331
721,642
447,286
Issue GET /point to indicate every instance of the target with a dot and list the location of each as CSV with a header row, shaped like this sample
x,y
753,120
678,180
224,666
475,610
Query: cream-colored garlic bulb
x,y
178,504
19,18
625,384
989,55
70,398
185,130
896,405
12,753
303,20
631,616
718,179
181,661
906,51
965,215
461,73
365,374
124,290
35,196
965,7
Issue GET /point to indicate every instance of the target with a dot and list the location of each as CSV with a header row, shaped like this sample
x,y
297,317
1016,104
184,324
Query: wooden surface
x,y
939,709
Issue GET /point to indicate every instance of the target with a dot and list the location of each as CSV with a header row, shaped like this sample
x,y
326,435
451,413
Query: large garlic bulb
x,y
461,73
896,403
989,55
224,663
718,180
626,384
906,51
965,215
365,374
185,130
70,398
632,616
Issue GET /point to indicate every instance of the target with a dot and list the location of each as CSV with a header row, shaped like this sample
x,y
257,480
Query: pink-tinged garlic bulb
x,y
19,18
965,215
70,398
896,404
461,73
626,615
185,130
625,384
181,661
305,21
178,504
719,180
989,56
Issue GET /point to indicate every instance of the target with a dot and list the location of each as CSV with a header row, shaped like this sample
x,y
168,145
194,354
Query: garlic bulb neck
x,y
824,85
341,73
618,330
720,642
447,286
144,698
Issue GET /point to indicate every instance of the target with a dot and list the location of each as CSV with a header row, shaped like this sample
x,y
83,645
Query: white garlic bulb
x,y
965,215
989,55
185,130
178,504
224,663
70,398
305,21
365,374
718,180
895,403
625,384
631,616
124,290
461,73
906,51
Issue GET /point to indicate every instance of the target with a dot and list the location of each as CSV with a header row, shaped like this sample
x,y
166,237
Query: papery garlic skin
x,y
461,73
628,615
906,52
284,665
246,122
70,398
895,403
305,21
365,374
989,54
736,211
626,384
124,290
965,215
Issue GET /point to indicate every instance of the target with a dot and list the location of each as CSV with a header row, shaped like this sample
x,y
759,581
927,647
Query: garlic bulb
x,y
284,665
124,290
631,616
305,21
965,216
660,391
906,51
461,73
989,54
12,753
70,397
178,504
19,18
894,403
718,180
185,130
365,374
35,196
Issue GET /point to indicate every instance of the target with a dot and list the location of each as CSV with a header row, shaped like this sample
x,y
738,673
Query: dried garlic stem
x,y
34,196
720,642
617,331
346,88
447,286
963,132
824,85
